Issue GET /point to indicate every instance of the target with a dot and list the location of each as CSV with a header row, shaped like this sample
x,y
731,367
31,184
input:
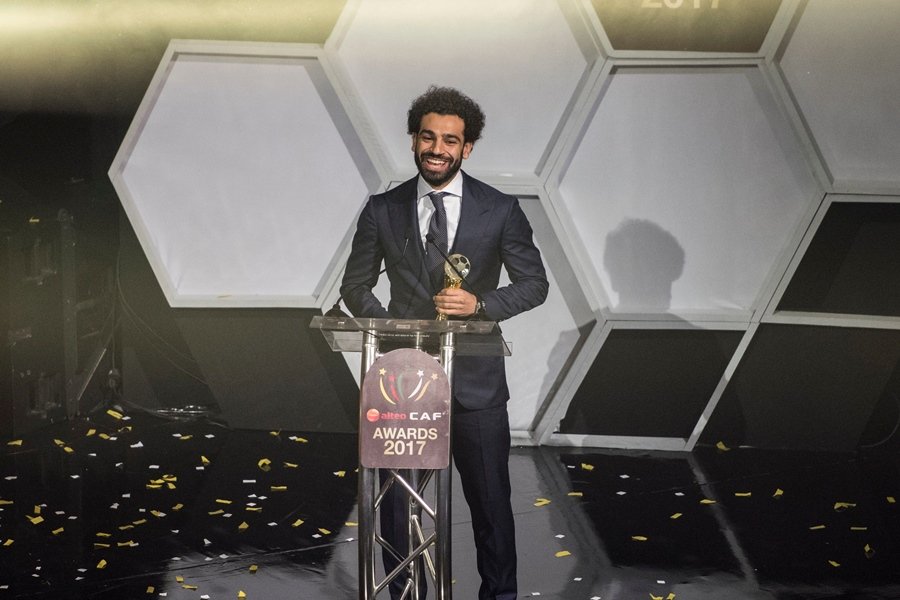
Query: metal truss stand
x,y
413,483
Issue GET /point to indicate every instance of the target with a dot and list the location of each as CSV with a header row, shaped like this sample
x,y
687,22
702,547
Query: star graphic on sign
x,y
421,373
434,376
382,371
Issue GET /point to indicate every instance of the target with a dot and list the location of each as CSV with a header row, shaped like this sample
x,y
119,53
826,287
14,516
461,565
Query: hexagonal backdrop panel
x,y
238,155
685,189
521,61
841,64
544,339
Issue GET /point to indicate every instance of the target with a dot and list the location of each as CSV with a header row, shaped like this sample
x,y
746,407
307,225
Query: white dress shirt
x,y
452,204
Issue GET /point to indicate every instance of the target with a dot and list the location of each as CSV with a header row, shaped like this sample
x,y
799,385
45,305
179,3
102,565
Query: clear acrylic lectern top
x,y
475,338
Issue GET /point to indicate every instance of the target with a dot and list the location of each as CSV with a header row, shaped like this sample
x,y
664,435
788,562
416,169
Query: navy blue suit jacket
x,y
493,232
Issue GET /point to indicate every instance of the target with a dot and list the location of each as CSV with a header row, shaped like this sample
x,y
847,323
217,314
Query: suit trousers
x,y
480,442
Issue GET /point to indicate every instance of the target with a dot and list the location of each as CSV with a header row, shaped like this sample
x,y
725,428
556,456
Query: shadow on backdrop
x,y
643,261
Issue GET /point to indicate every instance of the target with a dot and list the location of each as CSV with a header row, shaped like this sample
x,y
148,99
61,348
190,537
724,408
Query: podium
x,y
415,358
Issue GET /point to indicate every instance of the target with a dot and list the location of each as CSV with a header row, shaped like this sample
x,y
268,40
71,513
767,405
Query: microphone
x,y
335,311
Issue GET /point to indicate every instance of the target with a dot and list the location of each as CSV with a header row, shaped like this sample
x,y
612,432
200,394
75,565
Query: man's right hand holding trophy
x,y
456,267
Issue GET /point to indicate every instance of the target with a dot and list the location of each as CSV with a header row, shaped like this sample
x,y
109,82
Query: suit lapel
x,y
405,221
471,220
404,217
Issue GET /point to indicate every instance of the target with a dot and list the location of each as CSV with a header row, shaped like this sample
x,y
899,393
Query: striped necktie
x,y
437,229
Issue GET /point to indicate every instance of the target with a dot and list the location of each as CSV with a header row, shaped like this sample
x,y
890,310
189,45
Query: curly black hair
x,y
447,101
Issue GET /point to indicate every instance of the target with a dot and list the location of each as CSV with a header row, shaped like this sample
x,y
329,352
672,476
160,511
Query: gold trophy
x,y
456,267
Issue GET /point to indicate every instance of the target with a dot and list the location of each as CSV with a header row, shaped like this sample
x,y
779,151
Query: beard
x,y
437,178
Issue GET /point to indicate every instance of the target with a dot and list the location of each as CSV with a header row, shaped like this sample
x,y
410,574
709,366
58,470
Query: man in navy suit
x,y
402,227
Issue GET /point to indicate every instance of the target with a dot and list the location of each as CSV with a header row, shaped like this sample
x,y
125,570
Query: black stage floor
x,y
134,506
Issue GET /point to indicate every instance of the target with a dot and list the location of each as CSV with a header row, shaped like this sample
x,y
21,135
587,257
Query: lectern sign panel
x,y
405,413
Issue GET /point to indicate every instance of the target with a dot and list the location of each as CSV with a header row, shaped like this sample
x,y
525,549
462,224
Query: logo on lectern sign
x,y
405,413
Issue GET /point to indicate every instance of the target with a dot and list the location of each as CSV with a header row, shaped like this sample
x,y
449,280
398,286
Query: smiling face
x,y
439,147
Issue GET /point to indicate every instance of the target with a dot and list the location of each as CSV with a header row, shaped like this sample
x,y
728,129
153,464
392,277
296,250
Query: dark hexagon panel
x,y
852,264
687,25
811,388
650,382
237,156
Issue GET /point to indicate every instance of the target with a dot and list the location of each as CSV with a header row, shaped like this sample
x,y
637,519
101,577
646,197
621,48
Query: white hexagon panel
x,y
238,155
544,339
841,64
522,60
686,188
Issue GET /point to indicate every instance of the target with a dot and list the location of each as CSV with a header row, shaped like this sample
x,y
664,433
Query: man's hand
x,y
455,302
